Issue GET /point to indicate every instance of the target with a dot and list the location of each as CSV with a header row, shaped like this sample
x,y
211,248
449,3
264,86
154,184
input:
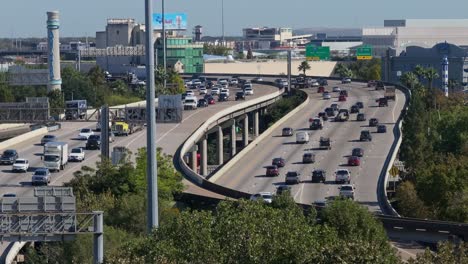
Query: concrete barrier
x,y
253,144
9,126
26,136
13,251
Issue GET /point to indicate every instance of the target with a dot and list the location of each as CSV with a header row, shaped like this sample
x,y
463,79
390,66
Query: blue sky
x,y
26,18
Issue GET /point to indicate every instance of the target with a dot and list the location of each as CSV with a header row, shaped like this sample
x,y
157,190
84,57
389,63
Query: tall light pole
x,y
222,20
151,169
164,41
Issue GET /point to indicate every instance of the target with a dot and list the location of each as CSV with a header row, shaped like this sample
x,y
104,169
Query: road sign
x,y
364,53
317,53
394,171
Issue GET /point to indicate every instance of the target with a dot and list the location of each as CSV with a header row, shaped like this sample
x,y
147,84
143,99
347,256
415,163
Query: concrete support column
x,y
256,126
193,160
220,145
204,157
233,139
246,130
98,238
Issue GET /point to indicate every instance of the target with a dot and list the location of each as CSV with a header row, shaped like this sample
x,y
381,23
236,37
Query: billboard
x,y
173,21
317,53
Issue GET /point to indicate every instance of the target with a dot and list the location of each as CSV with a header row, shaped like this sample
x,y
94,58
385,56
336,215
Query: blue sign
x,y
173,21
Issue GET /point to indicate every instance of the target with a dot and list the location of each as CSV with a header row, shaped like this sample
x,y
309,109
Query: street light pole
x,y
151,170
164,42
222,19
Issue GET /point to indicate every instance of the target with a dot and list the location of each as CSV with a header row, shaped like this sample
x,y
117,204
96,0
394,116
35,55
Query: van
x,y
302,137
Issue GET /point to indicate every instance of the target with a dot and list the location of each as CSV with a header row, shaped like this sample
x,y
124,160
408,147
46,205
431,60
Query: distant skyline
x,y
85,17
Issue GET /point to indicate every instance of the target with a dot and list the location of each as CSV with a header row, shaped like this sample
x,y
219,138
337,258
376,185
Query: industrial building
x,y
394,66
399,34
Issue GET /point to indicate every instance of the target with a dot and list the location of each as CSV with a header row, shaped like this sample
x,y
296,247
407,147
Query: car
x,y
358,152
41,176
279,162
308,157
287,132
189,93
202,103
292,177
94,142
371,83
223,97
257,79
211,100
344,92
336,89
347,191
325,143
361,117
326,95
9,195
319,175
354,161
190,103
365,136
373,122
320,204
233,81
382,102
248,91
77,154
280,189
330,111
215,91
322,115
240,96
342,176
316,124
9,157
381,129
202,90
380,86
322,82
321,89
360,105
342,98
20,165
266,197
354,109
272,171
224,91
85,133
48,138
335,107
346,80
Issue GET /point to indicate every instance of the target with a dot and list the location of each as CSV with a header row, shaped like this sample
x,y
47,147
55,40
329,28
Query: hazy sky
x,y
26,18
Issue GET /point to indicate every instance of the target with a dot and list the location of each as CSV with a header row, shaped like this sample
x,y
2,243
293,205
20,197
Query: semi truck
x,y
390,93
121,128
75,109
55,155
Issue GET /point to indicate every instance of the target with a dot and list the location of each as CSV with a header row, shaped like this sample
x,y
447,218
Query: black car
x,y
361,117
308,157
287,132
223,97
360,105
282,189
365,136
330,111
354,109
335,107
240,96
323,115
9,156
358,152
381,129
209,84
344,93
279,162
319,176
292,177
373,122
202,103
94,142
322,82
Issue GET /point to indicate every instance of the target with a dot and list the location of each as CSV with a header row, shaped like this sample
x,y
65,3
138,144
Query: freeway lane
x,y
249,173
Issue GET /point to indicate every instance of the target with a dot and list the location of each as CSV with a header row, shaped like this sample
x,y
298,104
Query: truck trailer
x,y
55,155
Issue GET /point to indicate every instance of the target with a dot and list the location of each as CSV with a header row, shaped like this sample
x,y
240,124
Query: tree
x,y
340,68
420,72
430,74
409,79
304,66
447,253
5,94
409,203
249,54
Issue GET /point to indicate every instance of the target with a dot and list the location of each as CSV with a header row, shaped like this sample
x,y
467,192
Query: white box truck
x,y
55,155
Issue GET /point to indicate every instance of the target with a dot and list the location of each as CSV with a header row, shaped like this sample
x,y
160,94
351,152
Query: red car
x,y
321,89
354,161
211,100
342,98
272,170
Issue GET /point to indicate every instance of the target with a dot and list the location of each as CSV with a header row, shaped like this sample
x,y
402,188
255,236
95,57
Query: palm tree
x,y
430,74
409,79
304,66
419,71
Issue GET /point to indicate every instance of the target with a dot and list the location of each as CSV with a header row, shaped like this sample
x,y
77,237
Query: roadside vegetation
x,y
435,151
361,69
277,110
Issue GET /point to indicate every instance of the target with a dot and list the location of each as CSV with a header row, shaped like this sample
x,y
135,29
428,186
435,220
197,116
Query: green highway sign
x,y
364,53
317,53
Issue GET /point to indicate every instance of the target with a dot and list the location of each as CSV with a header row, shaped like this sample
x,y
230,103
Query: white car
x,y
267,197
20,165
85,133
314,83
225,91
248,91
342,176
190,103
196,82
190,93
336,89
347,191
233,81
215,91
77,154
346,80
326,95
202,90
257,79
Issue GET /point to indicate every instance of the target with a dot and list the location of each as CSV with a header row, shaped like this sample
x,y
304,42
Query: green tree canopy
x,y
303,67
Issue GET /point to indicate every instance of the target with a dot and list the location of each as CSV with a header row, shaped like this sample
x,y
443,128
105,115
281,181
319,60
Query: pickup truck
x,y
76,154
390,93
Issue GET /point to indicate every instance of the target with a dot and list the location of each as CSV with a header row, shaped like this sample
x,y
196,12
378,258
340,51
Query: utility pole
x,y
164,42
222,20
151,170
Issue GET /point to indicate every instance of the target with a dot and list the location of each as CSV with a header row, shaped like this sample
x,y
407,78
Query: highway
x,y
248,174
